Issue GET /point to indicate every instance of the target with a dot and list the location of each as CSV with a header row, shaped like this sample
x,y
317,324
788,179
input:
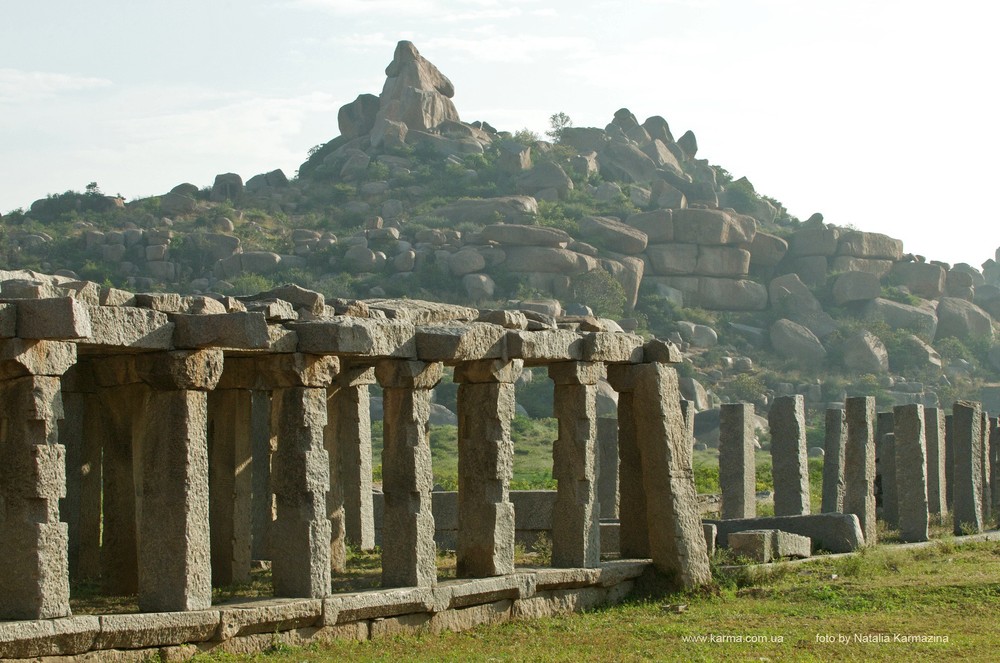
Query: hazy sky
x,y
881,114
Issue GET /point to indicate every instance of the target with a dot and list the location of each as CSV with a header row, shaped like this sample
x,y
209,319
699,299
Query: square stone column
x,y
937,478
633,526
986,499
408,551
230,462
949,459
834,450
967,422
576,526
789,460
175,569
885,464
911,472
485,467
859,464
675,538
737,466
261,499
994,450
607,485
349,443
300,473
34,544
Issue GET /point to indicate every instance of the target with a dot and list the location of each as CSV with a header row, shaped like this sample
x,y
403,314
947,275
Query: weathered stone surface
x,y
420,312
375,604
834,447
548,260
612,347
357,337
703,226
864,352
722,261
624,161
737,467
469,342
923,279
786,420
658,225
968,467
937,476
766,545
844,264
59,318
541,346
921,321
67,636
123,326
295,295
794,341
834,532
818,240
853,287
613,235
152,629
911,472
267,616
766,251
20,358
666,259
227,330
545,175
358,117
415,91
511,209
869,245
793,300
719,294
963,320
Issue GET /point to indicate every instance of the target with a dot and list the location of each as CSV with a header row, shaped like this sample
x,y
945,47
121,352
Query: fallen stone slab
x,y
834,532
766,545
156,629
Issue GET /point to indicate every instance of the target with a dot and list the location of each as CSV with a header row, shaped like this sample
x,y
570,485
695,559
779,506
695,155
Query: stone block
x,y
612,347
8,320
729,261
379,603
156,629
226,330
911,472
767,545
668,259
834,532
468,342
786,420
358,337
128,327
67,636
536,347
59,318
267,616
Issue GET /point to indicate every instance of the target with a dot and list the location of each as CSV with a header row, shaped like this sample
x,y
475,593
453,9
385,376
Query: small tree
x,y
558,122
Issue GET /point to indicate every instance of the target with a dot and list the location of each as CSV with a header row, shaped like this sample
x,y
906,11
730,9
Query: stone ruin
x,y
162,443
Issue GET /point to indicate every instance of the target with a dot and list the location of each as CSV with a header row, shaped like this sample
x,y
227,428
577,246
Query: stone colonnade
x,y
192,444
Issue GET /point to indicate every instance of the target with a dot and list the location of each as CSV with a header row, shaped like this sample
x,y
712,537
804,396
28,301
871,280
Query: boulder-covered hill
x,y
623,222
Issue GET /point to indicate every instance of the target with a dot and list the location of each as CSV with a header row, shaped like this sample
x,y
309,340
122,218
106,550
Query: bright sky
x,y
878,114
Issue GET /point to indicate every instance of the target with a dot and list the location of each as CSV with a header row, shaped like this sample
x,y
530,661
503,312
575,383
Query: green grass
x,y
820,611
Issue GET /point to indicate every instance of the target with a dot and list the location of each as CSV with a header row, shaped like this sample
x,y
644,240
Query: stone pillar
x,y
633,526
859,464
408,552
911,472
300,473
885,463
485,467
576,527
34,544
949,459
789,459
675,540
175,569
986,498
937,481
262,500
967,434
80,433
737,467
607,485
834,450
230,485
994,450
688,412
349,443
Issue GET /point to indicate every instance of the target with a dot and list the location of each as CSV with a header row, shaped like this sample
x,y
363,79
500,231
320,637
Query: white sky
x,y
881,114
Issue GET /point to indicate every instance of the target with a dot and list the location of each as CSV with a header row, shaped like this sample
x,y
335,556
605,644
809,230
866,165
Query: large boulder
x,y
921,321
869,245
415,92
518,235
963,320
358,117
864,352
814,240
546,175
717,294
548,260
662,156
511,209
793,341
790,297
876,266
583,139
628,271
667,259
613,235
923,279
626,162
722,261
766,251
707,226
853,287
658,225
227,186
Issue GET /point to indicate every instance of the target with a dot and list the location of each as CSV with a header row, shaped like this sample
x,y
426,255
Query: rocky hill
x,y
615,227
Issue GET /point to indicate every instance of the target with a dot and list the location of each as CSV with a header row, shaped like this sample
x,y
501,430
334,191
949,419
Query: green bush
x,y
599,290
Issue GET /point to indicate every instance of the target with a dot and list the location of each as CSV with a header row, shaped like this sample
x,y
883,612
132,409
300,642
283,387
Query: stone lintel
x,y
267,616
129,327
661,352
156,629
197,370
575,372
66,636
8,320
279,371
21,357
467,342
57,318
612,347
222,330
361,337
536,347
354,374
397,374
497,370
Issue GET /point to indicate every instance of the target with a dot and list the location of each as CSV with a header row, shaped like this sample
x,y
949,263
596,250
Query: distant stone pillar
x,y
789,461
261,500
968,485
300,473
986,499
348,441
937,480
485,467
737,467
174,533
859,464
834,450
911,472
656,428
576,527
230,462
633,526
607,486
34,544
949,459
408,552
994,450
885,454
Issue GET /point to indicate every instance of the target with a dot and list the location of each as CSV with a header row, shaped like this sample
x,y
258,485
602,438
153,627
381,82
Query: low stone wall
x,y
251,626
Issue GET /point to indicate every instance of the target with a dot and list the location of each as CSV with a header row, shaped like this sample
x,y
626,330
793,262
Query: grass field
x,y
941,602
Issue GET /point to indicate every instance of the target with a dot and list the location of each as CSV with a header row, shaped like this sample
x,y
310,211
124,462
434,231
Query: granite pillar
x,y
633,528
949,459
911,472
789,461
937,478
885,454
230,484
859,464
834,450
737,466
576,528
408,551
485,467
967,421
607,485
986,497
261,500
